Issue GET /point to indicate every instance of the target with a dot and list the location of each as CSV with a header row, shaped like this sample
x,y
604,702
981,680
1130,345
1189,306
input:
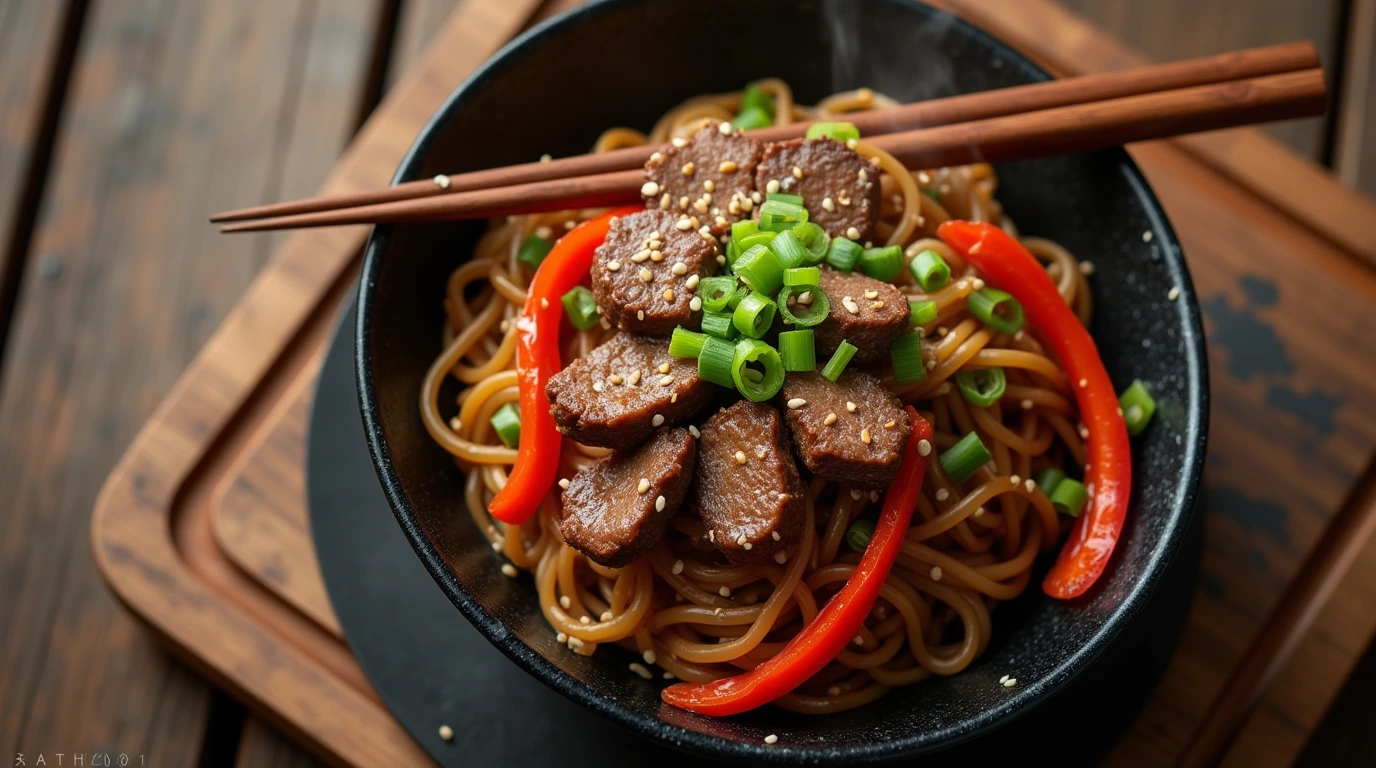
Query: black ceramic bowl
x,y
623,62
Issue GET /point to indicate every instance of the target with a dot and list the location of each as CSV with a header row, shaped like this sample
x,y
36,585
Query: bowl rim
x,y
1183,506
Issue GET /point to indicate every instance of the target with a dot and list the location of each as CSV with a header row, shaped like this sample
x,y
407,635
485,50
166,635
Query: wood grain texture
x,y
1354,151
154,112
261,746
1176,29
419,22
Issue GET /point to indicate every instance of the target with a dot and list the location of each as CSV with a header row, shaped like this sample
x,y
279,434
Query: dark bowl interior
x,y
623,62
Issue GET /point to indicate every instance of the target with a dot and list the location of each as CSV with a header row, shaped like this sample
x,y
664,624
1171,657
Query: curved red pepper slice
x,y
537,358
1007,265
839,621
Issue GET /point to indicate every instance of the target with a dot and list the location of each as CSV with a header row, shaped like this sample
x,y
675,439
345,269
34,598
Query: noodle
x,y
684,608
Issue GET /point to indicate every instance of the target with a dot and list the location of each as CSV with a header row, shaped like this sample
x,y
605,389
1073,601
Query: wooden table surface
x,y
123,123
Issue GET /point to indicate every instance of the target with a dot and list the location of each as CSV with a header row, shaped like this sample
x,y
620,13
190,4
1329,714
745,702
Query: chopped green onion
x,y
815,240
996,309
533,251
757,383
840,131
930,270
858,535
1069,497
731,252
837,364
686,343
715,292
785,197
962,460
714,361
906,352
935,194
751,118
581,308
798,350
843,254
1137,404
760,269
789,249
750,241
507,422
981,386
735,301
755,97
803,314
1048,479
718,324
743,229
803,276
754,315
921,312
777,215
882,263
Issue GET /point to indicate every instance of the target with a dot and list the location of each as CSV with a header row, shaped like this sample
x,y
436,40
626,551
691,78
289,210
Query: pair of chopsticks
x,y
1078,114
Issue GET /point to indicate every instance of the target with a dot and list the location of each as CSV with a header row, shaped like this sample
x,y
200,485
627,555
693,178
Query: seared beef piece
x,y
747,488
608,517
647,244
613,396
830,436
710,178
880,316
840,189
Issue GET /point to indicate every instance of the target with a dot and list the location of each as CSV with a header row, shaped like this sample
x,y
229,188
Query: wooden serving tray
x,y
201,529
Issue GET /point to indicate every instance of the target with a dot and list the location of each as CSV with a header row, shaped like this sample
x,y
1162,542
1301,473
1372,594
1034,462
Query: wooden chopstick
x,y
1060,130
1253,62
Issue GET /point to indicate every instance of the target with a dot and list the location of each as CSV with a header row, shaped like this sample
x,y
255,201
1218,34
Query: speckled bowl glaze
x,y
624,62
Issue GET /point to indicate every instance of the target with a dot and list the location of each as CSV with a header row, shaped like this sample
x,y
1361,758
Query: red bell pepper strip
x,y
1007,265
839,621
537,358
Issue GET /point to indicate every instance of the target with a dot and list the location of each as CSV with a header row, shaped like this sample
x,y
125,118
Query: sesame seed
x,y
673,398
1084,383
669,294
695,304
858,640
725,128
805,297
615,378
641,256
877,305
865,436
1015,479
679,142
646,275
843,200
871,294
509,570
771,739
797,172
564,483
640,314
936,573
772,186
1086,267
446,733
930,365
781,557
941,330
442,181
850,305
657,158
830,419
978,284
643,486
828,204
740,540
863,175
942,494
890,424
597,386
575,642
724,592
1029,485
612,266
1146,236
857,494
692,282
850,406
606,616
924,447
1174,294
562,638
665,381
1026,405
688,169
683,224
496,546
649,189
979,512
659,503
635,377
640,669
455,424
692,430
584,619
657,420
853,233
712,536
709,185
727,166
796,403
740,457
1010,682
544,303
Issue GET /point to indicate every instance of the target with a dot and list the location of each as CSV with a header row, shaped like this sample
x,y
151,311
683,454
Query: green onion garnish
x,y
686,343
735,301
906,352
843,254
798,350
930,270
920,312
789,249
996,309
837,364
803,276
754,315
714,361
1138,407
533,251
757,370
961,460
743,229
1048,479
858,535
882,264
715,292
752,240
777,215
815,240
718,324
1069,497
760,269
785,197
839,131
731,252
803,305
507,422
751,118
755,97
935,194
981,386
581,308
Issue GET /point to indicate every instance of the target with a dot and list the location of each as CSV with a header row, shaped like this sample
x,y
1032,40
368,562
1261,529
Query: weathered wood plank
x,y
1354,150
262,747
419,22
1167,30
176,110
